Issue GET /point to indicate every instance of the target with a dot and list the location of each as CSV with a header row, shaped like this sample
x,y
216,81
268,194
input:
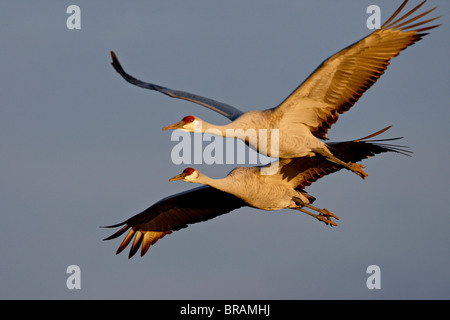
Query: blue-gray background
x,y
81,148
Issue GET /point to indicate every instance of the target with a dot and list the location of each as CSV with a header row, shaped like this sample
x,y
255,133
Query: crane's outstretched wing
x,y
174,213
335,86
306,170
224,109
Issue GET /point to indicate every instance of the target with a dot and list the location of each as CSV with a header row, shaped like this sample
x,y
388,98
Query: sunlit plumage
x,y
244,186
306,115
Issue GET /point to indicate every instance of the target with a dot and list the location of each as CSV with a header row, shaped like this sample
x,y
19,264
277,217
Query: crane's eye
x,y
189,119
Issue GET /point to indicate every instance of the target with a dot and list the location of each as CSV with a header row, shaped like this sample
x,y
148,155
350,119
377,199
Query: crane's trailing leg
x,y
355,167
324,215
319,217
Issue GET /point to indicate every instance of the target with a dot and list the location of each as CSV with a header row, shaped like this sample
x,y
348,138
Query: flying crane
x,y
305,116
244,186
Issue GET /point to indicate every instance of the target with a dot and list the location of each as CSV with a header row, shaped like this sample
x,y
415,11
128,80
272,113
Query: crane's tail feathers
x,y
375,134
366,148
389,147
393,147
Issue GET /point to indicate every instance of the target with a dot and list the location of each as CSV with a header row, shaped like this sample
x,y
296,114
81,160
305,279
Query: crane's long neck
x,y
258,129
207,127
220,184
246,125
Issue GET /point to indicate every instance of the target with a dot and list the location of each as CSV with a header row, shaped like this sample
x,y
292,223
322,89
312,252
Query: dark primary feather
x,y
174,213
224,109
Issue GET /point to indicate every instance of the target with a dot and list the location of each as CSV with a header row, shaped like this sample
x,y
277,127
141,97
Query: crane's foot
x,y
324,214
354,167
326,220
329,214
358,169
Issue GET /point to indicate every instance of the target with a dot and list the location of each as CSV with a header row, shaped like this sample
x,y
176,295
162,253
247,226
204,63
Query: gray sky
x,y
81,148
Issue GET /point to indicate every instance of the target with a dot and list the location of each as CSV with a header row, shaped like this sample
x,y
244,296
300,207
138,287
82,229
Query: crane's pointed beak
x,y
178,125
178,177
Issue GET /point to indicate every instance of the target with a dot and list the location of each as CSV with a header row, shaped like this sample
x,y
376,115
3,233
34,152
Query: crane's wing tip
x,y
113,225
118,67
119,232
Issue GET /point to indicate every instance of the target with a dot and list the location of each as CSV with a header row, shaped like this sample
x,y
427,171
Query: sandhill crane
x,y
309,111
244,186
